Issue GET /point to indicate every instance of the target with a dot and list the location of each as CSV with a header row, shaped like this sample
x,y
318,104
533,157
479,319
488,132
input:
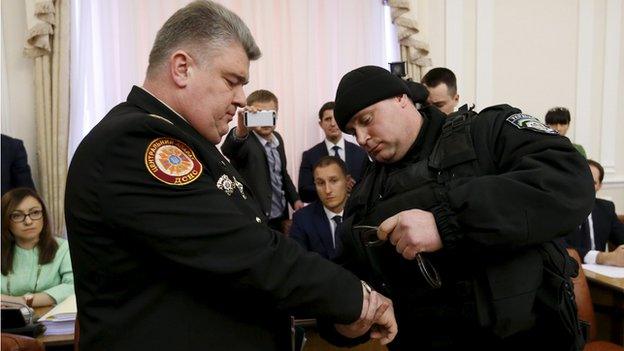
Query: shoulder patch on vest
x,y
172,161
522,121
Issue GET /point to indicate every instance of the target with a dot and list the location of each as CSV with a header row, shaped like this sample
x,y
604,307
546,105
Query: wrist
x,y
241,132
367,288
366,293
602,258
28,299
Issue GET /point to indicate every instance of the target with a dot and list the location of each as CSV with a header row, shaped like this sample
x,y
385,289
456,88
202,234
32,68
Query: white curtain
x,y
409,18
47,42
307,46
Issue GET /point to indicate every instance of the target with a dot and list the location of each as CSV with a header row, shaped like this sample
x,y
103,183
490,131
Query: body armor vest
x,y
467,274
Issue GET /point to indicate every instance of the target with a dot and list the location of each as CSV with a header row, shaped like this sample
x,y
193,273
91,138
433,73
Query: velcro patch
x,y
172,162
522,121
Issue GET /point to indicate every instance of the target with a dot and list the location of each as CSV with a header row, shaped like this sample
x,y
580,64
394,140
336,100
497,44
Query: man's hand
x,y
613,258
377,316
241,128
298,205
412,232
350,183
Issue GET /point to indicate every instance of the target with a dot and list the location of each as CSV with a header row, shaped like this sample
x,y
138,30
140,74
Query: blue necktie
x,y
336,148
338,220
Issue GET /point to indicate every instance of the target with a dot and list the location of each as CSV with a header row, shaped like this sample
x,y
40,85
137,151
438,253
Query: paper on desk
x,y
61,319
609,271
65,310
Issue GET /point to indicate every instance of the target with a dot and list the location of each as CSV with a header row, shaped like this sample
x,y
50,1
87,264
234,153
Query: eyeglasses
x,y
368,237
18,217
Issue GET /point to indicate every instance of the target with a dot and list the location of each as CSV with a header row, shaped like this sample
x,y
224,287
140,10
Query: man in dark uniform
x,y
169,249
464,207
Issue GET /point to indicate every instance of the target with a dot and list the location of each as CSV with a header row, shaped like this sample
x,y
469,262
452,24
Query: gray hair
x,y
204,23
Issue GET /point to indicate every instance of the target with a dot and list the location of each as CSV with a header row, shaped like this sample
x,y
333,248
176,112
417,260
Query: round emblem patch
x,y
172,162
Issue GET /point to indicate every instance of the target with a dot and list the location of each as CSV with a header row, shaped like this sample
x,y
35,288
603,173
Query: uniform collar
x,y
433,120
151,104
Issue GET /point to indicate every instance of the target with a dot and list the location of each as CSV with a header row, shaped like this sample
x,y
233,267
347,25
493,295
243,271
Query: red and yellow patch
x,y
172,162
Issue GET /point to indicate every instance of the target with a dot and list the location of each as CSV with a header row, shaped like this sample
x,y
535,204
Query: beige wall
x,y
537,54
18,93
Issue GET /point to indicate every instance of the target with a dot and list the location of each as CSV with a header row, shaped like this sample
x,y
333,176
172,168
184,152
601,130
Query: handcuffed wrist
x,y
366,287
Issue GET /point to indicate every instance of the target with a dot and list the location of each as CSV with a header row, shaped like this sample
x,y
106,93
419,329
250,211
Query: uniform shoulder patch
x,y
522,121
172,161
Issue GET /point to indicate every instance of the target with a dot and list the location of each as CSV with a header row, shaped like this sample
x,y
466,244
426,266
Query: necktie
x,y
336,148
278,201
337,219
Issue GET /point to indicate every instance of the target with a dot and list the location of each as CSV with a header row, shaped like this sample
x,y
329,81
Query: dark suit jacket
x,y
356,160
312,230
15,169
142,248
607,228
250,160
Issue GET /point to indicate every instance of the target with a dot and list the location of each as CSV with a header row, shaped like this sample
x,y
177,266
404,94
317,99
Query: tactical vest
x,y
424,185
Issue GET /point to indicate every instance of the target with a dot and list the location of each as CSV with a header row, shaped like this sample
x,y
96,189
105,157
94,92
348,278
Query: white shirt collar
x,y
331,214
329,145
162,102
263,141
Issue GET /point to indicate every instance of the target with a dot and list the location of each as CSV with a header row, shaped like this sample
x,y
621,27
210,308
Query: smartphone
x,y
261,118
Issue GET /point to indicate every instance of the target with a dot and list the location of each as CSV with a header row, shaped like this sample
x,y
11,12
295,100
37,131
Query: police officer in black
x,y
455,219
170,250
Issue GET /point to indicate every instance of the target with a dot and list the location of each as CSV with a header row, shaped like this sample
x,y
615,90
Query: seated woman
x,y
36,267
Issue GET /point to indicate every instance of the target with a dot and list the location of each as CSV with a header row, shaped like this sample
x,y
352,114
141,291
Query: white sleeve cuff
x,y
591,256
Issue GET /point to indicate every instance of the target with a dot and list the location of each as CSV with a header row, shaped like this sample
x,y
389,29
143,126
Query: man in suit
x,y
334,144
260,158
314,226
442,85
600,227
153,210
15,169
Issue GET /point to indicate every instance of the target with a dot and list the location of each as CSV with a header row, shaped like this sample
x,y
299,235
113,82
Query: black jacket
x,y
250,160
607,228
15,169
491,218
312,230
183,261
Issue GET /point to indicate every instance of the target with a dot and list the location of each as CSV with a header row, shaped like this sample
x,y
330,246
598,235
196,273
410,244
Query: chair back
x,y
14,342
583,297
586,309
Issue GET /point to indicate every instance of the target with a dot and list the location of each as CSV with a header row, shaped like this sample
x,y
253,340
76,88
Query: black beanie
x,y
363,87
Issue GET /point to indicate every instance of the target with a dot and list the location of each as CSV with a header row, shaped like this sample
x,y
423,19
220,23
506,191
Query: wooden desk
x,y
316,343
608,298
53,340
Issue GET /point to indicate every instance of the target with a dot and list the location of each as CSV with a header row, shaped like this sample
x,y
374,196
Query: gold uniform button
x,y
258,219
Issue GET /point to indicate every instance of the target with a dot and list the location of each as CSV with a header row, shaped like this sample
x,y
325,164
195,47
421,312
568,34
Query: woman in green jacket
x,y
36,266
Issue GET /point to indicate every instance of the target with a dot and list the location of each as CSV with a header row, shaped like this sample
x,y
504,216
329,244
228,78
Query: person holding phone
x,y
258,154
